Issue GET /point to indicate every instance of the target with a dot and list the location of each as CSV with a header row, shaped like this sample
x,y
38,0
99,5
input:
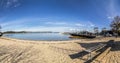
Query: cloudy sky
x,y
57,15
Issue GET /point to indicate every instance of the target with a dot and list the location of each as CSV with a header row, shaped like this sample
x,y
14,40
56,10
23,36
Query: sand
x,y
26,51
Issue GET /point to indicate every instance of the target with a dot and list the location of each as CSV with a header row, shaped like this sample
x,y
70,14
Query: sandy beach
x,y
26,51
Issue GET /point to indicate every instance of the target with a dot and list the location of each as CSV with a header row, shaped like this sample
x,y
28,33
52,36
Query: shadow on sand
x,y
115,47
83,53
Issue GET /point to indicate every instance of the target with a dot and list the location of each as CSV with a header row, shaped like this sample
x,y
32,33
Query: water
x,y
39,36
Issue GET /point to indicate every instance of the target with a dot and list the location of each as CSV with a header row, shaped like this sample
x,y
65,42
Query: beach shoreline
x,y
27,51
101,39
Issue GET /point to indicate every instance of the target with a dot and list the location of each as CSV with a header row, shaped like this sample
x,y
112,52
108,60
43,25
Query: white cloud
x,y
78,24
11,28
85,24
44,28
112,9
22,24
91,24
110,18
9,3
44,24
22,21
56,23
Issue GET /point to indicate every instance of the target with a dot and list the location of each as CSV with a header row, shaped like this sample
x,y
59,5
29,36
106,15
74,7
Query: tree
x,y
96,30
103,31
115,24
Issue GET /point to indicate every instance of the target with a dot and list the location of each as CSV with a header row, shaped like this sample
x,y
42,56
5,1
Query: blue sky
x,y
57,15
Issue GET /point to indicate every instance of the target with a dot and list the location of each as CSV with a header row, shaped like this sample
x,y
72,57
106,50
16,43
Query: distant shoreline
x,y
12,32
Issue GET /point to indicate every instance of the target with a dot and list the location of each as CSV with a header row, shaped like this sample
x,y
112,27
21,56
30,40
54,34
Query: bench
x,y
95,48
103,52
101,56
87,51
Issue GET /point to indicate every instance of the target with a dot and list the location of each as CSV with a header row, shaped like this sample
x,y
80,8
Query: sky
x,y
57,15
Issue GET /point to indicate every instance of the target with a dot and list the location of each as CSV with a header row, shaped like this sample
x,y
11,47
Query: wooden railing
x,y
96,53
101,56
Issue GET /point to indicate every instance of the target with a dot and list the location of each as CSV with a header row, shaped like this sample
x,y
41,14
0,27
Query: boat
x,y
83,34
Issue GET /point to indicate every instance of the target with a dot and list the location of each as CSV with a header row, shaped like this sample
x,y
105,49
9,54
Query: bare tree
x,y
104,31
96,30
115,24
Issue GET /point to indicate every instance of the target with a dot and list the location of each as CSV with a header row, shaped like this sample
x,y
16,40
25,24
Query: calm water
x,y
39,36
